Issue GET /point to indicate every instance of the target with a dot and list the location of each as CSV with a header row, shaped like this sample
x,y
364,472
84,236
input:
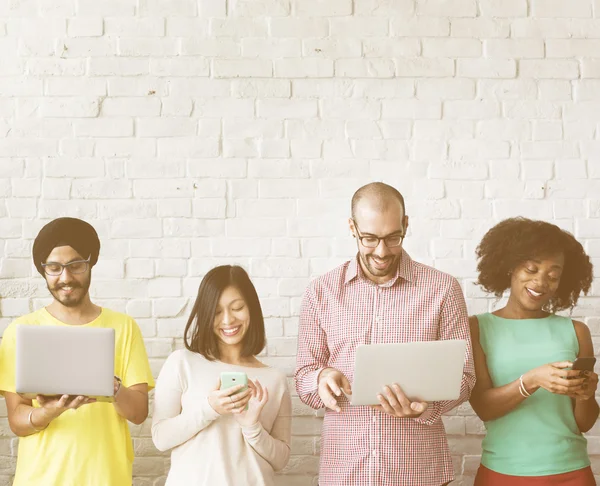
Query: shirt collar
x,y
403,271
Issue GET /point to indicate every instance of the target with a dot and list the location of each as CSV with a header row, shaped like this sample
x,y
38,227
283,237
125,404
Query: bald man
x,y
65,440
380,296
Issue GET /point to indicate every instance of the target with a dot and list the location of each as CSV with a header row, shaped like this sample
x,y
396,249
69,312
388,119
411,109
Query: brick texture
x,y
194,133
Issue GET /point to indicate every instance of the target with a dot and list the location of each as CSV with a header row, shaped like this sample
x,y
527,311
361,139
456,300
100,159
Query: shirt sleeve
x,y
454,324
274,447
172,426
313,351
7,360
137,369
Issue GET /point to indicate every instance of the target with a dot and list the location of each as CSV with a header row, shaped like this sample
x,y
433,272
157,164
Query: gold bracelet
x,y
31,422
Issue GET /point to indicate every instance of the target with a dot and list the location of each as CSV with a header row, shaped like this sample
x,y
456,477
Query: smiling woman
x,y
534,406
239,432
232,318
226,301
518,245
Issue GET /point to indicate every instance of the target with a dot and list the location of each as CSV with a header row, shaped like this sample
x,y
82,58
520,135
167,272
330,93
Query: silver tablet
x,y
426,370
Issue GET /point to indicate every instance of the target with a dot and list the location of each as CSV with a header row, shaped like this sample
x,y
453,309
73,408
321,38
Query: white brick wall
x,y
194,133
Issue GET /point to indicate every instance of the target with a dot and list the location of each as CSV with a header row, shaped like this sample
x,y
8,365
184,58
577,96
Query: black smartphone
x,y
584,364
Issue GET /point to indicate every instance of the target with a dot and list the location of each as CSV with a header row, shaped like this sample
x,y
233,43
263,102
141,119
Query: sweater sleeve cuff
x,y
252,431
207,412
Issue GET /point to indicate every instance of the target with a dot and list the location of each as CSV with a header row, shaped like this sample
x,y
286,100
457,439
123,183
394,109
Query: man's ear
x,y
405,225
351,226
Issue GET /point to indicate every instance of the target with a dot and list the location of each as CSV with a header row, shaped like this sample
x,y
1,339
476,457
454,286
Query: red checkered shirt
x,y
342,309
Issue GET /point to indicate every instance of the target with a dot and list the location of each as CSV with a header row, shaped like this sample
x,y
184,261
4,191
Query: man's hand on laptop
x,y
53,406
395,403
331,384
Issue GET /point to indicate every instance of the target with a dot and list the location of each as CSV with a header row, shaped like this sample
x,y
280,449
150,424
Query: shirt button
x,y
374,453
374,419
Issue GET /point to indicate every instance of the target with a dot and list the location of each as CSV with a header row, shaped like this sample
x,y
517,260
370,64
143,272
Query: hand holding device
x,y
231,394
584,364
586,367
251,415
232,378
556,378
54,406
331,384
395,403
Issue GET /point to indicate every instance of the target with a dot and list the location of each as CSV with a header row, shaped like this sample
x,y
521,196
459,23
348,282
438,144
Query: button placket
x,y
374,318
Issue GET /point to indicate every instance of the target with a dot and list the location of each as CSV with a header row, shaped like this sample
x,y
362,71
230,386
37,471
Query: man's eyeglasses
x,y
391,241
54,269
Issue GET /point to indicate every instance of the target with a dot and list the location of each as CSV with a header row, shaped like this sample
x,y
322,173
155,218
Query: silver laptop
x,y
65,360
426,370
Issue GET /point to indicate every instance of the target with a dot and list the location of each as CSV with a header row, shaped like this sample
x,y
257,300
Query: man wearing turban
x,y
65,440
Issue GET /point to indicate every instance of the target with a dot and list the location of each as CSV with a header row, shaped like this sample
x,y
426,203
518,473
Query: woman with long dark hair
x,y
224,437
535,407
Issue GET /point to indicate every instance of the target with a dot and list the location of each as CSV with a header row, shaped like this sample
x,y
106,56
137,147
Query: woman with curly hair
x,y
534,406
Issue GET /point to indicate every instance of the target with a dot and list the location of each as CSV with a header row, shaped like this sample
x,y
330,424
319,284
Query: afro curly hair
x,y
516,240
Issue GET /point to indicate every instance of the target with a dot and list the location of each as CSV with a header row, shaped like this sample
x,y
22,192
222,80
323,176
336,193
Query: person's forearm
x,y
466,387
497,402
19,424
170,432
307,381
276,452
131,405
313,350
586,413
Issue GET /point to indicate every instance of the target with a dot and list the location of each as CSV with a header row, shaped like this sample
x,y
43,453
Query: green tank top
x,y
540,436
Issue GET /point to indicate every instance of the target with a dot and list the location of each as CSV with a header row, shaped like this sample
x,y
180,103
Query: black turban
x,y
73,232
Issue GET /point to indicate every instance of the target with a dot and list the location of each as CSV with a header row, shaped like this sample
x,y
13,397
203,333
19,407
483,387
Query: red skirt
x,y
581,477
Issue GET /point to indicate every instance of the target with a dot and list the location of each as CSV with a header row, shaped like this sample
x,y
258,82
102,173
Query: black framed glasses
x,y
54,268
393,240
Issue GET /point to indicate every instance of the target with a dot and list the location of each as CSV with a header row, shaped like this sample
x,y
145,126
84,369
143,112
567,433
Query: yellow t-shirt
x,y
90,446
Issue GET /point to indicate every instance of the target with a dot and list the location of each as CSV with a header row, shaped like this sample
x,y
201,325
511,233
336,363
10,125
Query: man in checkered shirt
x,y
380,296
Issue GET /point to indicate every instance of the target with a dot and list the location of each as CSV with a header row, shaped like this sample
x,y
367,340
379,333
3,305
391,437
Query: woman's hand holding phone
x,y
586,367
260,397
589,387
556,378
229,400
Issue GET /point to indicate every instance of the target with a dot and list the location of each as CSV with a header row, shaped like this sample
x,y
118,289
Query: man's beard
x,y
366,259
81,289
